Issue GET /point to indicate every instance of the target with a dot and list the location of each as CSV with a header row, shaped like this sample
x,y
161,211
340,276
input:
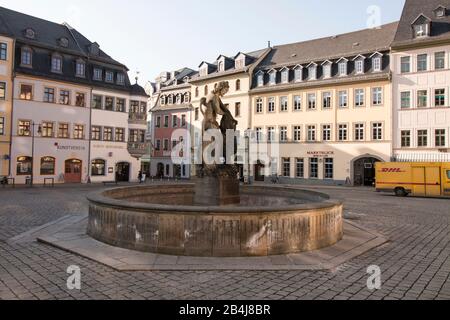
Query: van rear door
x,y
446,180
433,181
418,175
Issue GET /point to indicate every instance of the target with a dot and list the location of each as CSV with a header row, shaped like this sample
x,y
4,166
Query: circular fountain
x,y
166,219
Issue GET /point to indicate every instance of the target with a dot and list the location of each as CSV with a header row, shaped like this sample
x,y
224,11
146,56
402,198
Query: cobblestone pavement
x,y
415,263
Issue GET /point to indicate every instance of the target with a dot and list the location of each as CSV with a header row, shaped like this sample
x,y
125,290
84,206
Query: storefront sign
x,y
320,153
70,148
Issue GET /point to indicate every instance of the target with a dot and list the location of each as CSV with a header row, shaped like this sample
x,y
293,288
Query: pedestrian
x,y
140,177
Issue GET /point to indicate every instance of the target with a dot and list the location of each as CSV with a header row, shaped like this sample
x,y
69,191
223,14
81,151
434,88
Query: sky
x,y
152,36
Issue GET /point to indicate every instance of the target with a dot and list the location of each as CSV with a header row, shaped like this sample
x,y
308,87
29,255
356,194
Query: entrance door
x,y
123,172
433,181
259,172
364,172
160,170
419,188
73,168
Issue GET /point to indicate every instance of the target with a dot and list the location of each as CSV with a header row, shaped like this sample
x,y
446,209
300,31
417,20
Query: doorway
x,y
72,172
259,171
160,170
123,172
364,171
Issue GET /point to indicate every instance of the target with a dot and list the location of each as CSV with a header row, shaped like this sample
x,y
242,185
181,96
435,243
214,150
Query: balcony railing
x,y
138,149
138,118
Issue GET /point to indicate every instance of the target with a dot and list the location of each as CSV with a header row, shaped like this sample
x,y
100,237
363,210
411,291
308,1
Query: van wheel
x,y
400,192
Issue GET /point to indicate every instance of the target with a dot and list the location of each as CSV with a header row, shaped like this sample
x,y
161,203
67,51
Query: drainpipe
x,y
13,76
90,138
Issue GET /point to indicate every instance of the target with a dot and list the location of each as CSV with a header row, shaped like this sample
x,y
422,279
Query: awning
x,y
422,157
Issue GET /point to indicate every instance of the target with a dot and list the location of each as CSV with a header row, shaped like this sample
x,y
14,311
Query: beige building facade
x,y
6,68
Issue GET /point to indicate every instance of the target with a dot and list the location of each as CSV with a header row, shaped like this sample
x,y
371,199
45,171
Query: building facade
x,y
327,102
171,124
421,82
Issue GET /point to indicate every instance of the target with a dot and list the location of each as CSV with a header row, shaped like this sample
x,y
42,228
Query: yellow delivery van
x,y
416,179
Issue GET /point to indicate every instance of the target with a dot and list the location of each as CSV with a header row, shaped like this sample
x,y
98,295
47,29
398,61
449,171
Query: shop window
x,y
47,166
24,165
98,167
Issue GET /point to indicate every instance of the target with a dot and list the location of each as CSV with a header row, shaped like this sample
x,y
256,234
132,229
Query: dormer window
x,y
56,63
203,70
240,63
26,58
121,78
186,79
298,73
94,49
221,66
98,74
109,76
312,71
440,12
179,98
63,42
326,66
376,62
421,30
80,69
187,98
421,26
170,99
260,79
342,67
163,100
285,75
272,77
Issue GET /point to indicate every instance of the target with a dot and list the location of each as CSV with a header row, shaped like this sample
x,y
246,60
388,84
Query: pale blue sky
x,y
151,36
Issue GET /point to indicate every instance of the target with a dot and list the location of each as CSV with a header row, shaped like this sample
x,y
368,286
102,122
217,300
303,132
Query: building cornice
x,y
414,44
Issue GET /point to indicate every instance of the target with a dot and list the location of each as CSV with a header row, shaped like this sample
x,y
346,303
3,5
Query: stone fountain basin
x,y
164,219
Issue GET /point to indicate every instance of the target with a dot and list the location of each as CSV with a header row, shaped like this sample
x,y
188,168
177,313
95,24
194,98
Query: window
x,y
326,100
108,134
300,168
327,70
270,134
422,138
297,133
97,102
359,132
24,165
448,174
342,66
98,167
237,109
311,133
329,168
376,63
439,97
326,132
422,64
422,98
174,121
314,168
109,76
78,132
285,76
98,74
405,98
283,134
2,126
284,104
26,92
271,105
406,138
196,114
96,133
80,99
121,78
109,103
26,57
421,30
166,145
312,72
343,132
158,145
343,99
183,120
49,95
238,85
47,166
286,167
178,98
47,130
221,66
405,64
359,98
64,97
298,74
80,69
273,78
56,63
258,134
439,60
158,122
3,51
311,101
63,130
166,121
297,103
260,79
259,105
439,135
2,91
377,131
24,128
377,96
120,105
359,66
240,63
206,91
120,134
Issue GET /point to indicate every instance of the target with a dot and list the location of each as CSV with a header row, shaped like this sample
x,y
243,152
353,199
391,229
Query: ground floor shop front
x,y
165,168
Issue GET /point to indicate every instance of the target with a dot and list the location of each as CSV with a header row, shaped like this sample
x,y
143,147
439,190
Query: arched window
x,y
179,98
238,85
197,92
98,167
186,98
47,166
24,165
170,99
163,100
206,90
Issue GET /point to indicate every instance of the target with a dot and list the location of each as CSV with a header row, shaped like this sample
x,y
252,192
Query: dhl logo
x,y
392,170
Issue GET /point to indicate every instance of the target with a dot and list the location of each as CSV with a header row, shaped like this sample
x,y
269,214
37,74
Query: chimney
x,y
269,45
